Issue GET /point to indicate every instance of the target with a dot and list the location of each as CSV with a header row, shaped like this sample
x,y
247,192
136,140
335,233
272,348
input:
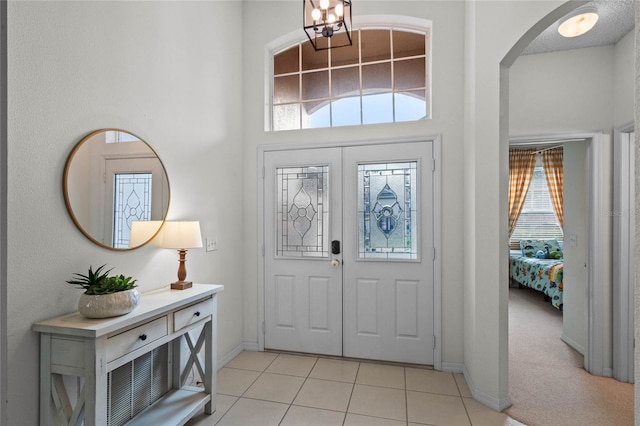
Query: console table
x,y
131,369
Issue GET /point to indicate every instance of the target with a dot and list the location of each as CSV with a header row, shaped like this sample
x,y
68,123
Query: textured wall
x,y
154,69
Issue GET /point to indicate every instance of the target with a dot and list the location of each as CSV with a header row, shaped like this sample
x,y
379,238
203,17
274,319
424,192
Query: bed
x,y
539,265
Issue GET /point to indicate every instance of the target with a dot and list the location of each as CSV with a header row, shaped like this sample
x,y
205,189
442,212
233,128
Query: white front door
x,y
303,214
349,251
388,252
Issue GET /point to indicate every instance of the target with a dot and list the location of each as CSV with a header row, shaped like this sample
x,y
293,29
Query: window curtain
x,y
552,163
521,164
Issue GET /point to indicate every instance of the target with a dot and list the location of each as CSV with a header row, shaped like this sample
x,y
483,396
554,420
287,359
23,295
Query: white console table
x,y
131,363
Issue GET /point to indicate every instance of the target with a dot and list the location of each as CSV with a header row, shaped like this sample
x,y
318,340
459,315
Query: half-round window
x,y
382,78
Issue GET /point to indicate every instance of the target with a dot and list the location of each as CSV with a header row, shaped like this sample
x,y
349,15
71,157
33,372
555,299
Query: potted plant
x,y
105,296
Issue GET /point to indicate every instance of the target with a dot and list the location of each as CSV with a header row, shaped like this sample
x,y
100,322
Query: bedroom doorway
x,y
588,318
560,275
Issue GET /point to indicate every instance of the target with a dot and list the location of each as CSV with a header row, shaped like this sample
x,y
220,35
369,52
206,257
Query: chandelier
x,y
327,23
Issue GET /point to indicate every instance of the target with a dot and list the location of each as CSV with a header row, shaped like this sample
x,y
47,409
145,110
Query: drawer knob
x,y
143,337
197,313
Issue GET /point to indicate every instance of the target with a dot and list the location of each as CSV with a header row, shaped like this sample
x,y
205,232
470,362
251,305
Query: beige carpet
x,y
547,383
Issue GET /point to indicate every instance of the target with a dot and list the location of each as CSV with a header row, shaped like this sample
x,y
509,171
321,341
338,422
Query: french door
x,y
349,251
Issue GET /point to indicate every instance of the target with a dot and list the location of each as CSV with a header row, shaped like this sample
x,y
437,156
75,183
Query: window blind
x,y
538,219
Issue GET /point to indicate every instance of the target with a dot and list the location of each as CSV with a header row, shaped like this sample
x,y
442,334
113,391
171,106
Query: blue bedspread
x,y
544,275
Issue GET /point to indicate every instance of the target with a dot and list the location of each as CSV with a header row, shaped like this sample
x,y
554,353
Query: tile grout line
x,y
245,391
406,398
298,393
353,388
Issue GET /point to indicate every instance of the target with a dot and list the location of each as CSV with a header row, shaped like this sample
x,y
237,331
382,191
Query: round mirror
x,y
115,182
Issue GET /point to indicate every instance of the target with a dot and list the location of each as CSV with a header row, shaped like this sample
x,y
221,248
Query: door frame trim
x,y
623,266
436,140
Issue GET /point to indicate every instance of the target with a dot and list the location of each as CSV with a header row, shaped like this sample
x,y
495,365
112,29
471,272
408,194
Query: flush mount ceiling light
x,y
579,22
327,23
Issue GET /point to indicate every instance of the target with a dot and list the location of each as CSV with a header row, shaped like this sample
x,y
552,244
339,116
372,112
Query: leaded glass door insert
x,y
387,213
302,211
132,201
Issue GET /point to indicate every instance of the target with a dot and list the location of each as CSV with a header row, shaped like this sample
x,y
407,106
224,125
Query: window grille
x,y
382,78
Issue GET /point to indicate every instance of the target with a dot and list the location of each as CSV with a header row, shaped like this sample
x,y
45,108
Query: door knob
x,y
335,263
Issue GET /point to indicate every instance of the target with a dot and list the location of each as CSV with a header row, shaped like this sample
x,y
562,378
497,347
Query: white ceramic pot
x,y
108,305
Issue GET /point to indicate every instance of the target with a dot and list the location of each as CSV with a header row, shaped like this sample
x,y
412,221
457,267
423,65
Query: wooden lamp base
x,y
181,285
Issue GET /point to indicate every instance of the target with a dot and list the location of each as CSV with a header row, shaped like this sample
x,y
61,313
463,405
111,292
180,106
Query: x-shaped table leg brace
x,y
194,358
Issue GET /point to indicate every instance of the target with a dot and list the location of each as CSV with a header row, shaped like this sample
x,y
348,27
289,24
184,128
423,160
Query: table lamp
x,y
180,235
142,231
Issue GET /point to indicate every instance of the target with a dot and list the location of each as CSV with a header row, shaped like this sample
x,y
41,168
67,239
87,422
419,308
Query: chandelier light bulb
x,y
323,18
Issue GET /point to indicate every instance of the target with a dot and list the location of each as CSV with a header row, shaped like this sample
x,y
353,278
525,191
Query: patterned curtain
x,y
521,164
552,162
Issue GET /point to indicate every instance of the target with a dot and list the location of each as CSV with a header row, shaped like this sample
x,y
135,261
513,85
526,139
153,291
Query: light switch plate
x,y
211,244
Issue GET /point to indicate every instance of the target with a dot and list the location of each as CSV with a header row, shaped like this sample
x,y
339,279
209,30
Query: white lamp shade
x,y
180,235
142,231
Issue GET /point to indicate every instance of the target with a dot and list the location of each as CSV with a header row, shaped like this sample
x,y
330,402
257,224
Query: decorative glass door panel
x,y
132,189
132,201
302,211
387,211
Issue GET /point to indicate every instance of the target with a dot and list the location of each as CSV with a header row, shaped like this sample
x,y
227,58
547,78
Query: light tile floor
x,y
266,388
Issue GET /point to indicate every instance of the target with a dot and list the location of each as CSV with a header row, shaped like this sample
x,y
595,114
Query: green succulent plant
x,y
99,282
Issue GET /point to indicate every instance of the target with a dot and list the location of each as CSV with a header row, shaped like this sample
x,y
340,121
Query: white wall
x,y
155,69
562,92
623,81
283,18
574,321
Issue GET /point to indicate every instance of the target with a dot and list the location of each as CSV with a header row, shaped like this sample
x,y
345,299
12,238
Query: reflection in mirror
x,y
112,179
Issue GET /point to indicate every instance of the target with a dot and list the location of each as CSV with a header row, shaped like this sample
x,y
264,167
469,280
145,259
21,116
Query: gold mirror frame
x,y
85,186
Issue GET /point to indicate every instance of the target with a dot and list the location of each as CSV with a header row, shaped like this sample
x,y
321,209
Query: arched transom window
x,y
382,78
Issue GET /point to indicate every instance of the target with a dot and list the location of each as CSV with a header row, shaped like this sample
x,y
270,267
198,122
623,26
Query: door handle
x,y
335,247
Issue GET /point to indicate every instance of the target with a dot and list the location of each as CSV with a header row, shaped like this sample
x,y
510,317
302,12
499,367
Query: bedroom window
x,y
383,78
538,219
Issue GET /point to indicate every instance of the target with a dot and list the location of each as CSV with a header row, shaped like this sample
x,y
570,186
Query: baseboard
x,y
231,355
251,346
452,367
569,341
607,372
497,404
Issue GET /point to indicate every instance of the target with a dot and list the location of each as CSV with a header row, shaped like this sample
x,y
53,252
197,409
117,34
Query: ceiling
x,y
616,19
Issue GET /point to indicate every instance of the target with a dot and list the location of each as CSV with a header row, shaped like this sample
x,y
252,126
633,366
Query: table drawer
x,y
123,343
192,314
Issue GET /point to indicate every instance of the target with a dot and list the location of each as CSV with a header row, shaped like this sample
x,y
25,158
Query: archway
x,y
597,343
